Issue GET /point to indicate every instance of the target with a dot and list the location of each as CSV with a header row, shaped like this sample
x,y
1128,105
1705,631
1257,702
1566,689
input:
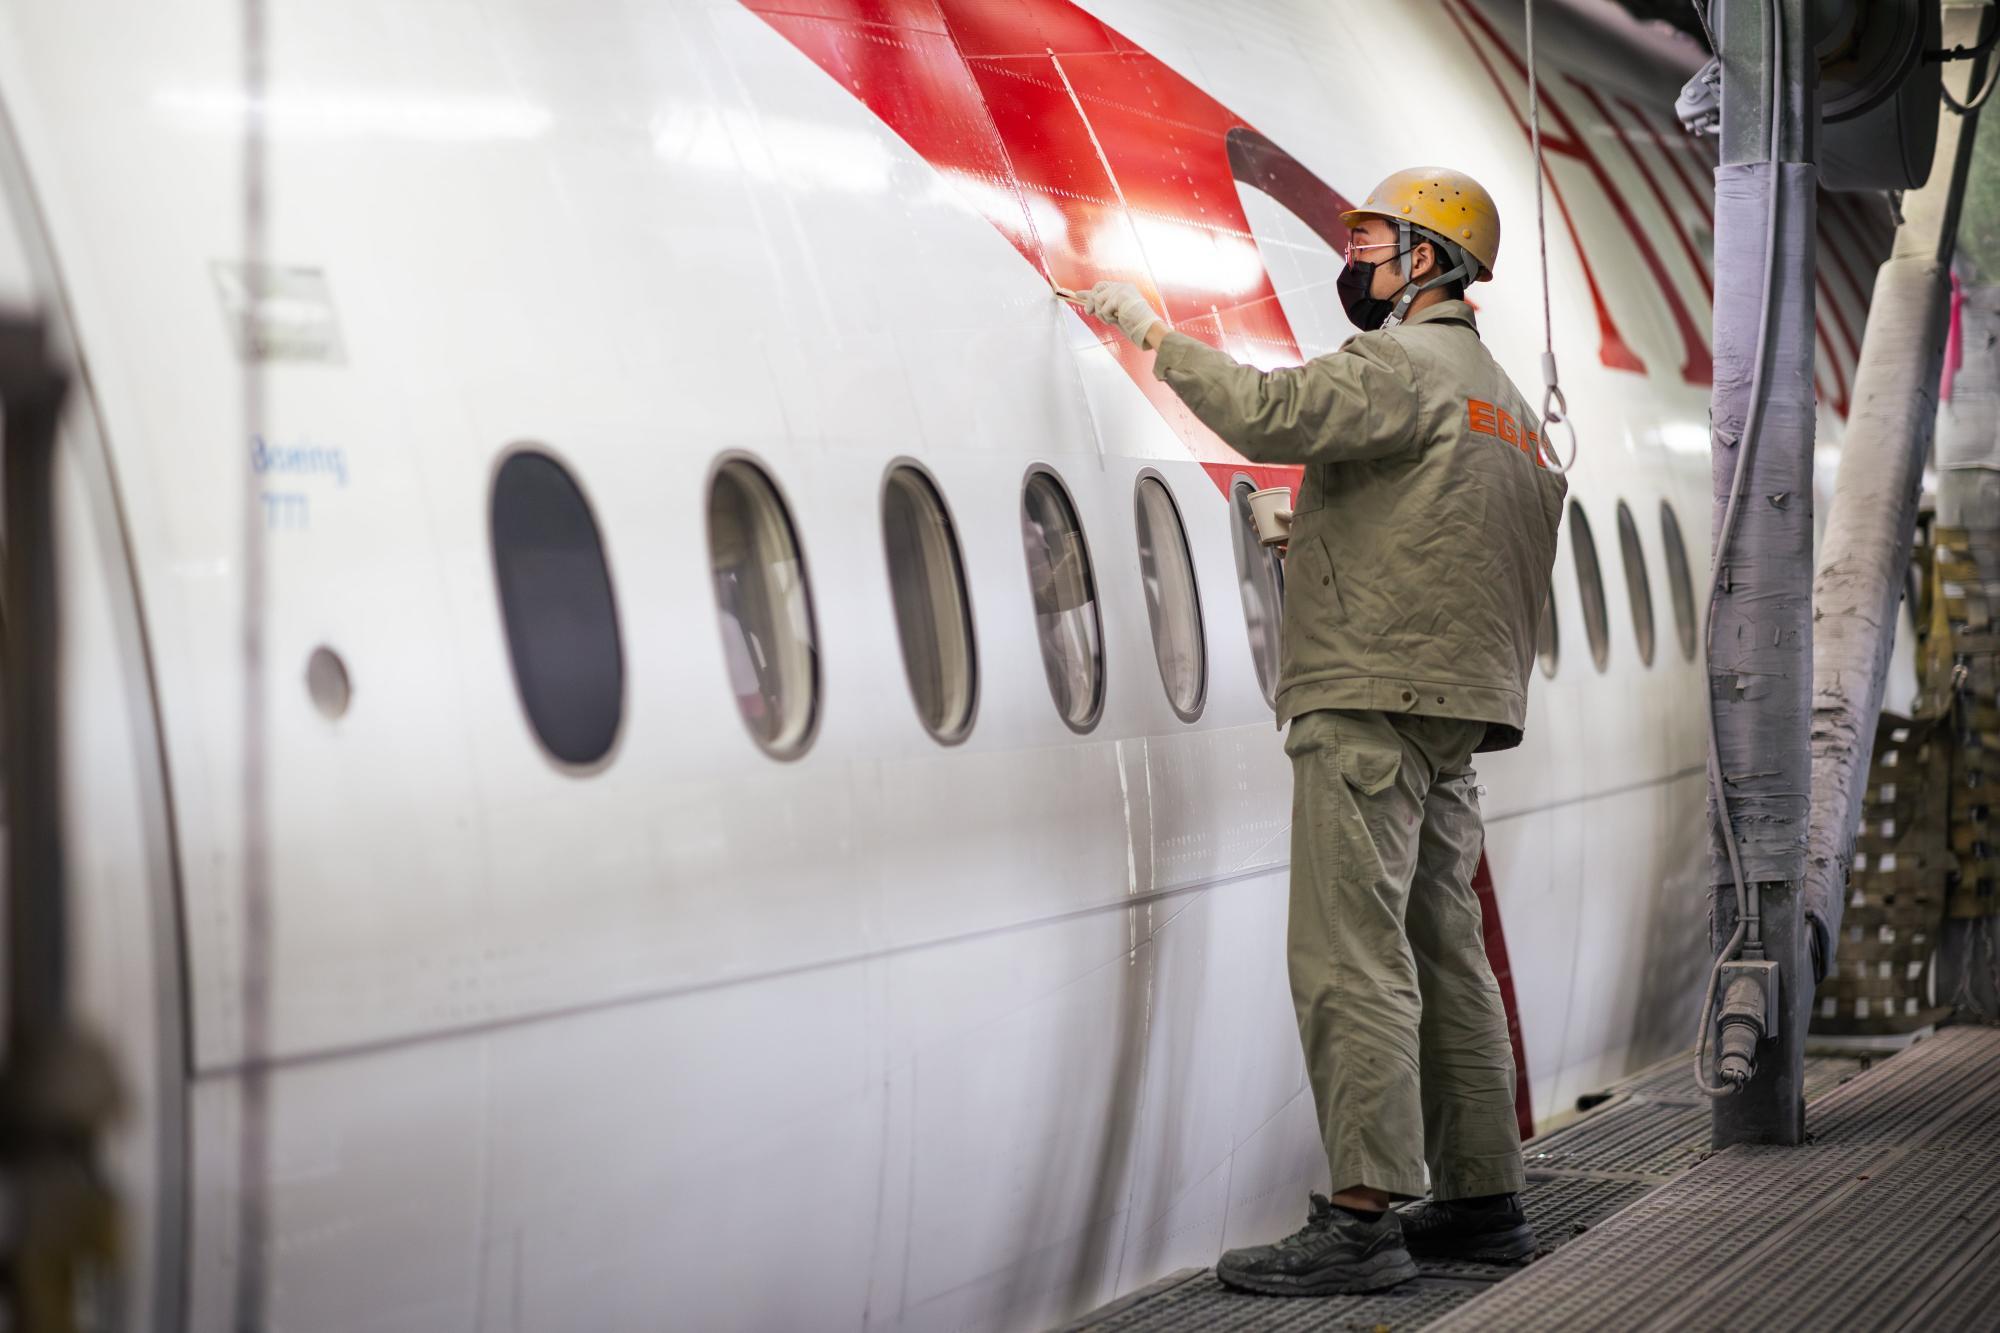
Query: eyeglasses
x,y
1348,254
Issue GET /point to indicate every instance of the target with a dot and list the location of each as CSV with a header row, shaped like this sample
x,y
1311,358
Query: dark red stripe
x,y
1496,955
1694,258
1612,348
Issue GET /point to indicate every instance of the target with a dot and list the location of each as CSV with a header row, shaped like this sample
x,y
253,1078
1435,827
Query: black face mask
x,y
1367,312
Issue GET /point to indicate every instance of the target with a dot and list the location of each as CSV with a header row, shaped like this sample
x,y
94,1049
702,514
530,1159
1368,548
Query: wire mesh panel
x,y
1903,866
1929,841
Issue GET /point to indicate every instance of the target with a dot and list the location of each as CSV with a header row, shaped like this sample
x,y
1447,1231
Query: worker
x,y
1418,566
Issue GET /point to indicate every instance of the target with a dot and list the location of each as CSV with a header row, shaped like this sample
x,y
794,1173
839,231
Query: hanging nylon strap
x,y
1555,406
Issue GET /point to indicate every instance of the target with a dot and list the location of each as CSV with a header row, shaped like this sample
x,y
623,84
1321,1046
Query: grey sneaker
x,y
1334,1253
1490,1230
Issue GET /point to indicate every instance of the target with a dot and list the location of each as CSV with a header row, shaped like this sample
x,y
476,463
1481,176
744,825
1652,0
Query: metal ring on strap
x,y
1555,412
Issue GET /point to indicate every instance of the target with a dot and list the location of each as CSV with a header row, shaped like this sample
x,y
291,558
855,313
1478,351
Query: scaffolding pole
x,y
1760,627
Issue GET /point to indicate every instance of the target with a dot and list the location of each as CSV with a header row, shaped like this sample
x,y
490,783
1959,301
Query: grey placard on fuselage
x,y
278,312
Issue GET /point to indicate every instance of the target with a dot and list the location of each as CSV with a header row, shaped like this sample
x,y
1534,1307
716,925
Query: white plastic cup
x,y
1272,510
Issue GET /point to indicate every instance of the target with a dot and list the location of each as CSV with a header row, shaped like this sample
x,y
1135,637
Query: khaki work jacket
x,y
1425,527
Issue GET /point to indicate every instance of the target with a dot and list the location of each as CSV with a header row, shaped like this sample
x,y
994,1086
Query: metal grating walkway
x,y
1889,1219
1652,1128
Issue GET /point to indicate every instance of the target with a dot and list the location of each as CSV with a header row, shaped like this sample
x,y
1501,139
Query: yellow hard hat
x,y
1449,203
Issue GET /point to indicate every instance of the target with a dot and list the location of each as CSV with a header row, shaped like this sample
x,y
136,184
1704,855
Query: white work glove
x,y
1120,305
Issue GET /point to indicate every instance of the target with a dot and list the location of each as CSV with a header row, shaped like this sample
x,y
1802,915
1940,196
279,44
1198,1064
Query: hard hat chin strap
x,y
1460,271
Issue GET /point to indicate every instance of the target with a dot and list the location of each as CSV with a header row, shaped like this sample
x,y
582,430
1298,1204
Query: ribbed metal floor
x,y
1889,1219
1651,1129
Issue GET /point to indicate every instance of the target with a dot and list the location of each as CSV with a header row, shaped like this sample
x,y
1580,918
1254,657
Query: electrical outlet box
x,y
1764,975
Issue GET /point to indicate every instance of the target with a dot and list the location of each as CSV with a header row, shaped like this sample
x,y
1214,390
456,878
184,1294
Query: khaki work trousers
x,y
1405,1035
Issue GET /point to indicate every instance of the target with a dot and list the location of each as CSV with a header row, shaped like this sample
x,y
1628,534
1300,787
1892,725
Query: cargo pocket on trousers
x,y
1370,756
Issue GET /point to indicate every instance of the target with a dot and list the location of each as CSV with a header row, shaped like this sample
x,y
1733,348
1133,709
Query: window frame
x,y
1638,584
964,730
1238,526
1598,636
816,712
1101,677
569,469
1194,711
1549,662
1680,582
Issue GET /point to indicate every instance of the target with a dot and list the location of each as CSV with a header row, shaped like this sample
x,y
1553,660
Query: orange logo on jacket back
x,y
1482,418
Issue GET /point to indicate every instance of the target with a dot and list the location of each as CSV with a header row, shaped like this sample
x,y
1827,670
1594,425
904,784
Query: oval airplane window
x,y
765,606
1590,584
1065,595
1173,604
1548,645
557,603
1636,588
1679,586
933,618
1263,583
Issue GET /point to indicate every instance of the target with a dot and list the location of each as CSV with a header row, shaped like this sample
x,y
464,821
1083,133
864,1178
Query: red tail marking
x,y
1830,359
1672,150
1568,141
1091,156
1871,225
1695,259
1612,348
1839,357
1834,211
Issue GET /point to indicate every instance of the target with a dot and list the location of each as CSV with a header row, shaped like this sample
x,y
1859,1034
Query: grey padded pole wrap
x,y
1863,560
1760,645
1760,639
